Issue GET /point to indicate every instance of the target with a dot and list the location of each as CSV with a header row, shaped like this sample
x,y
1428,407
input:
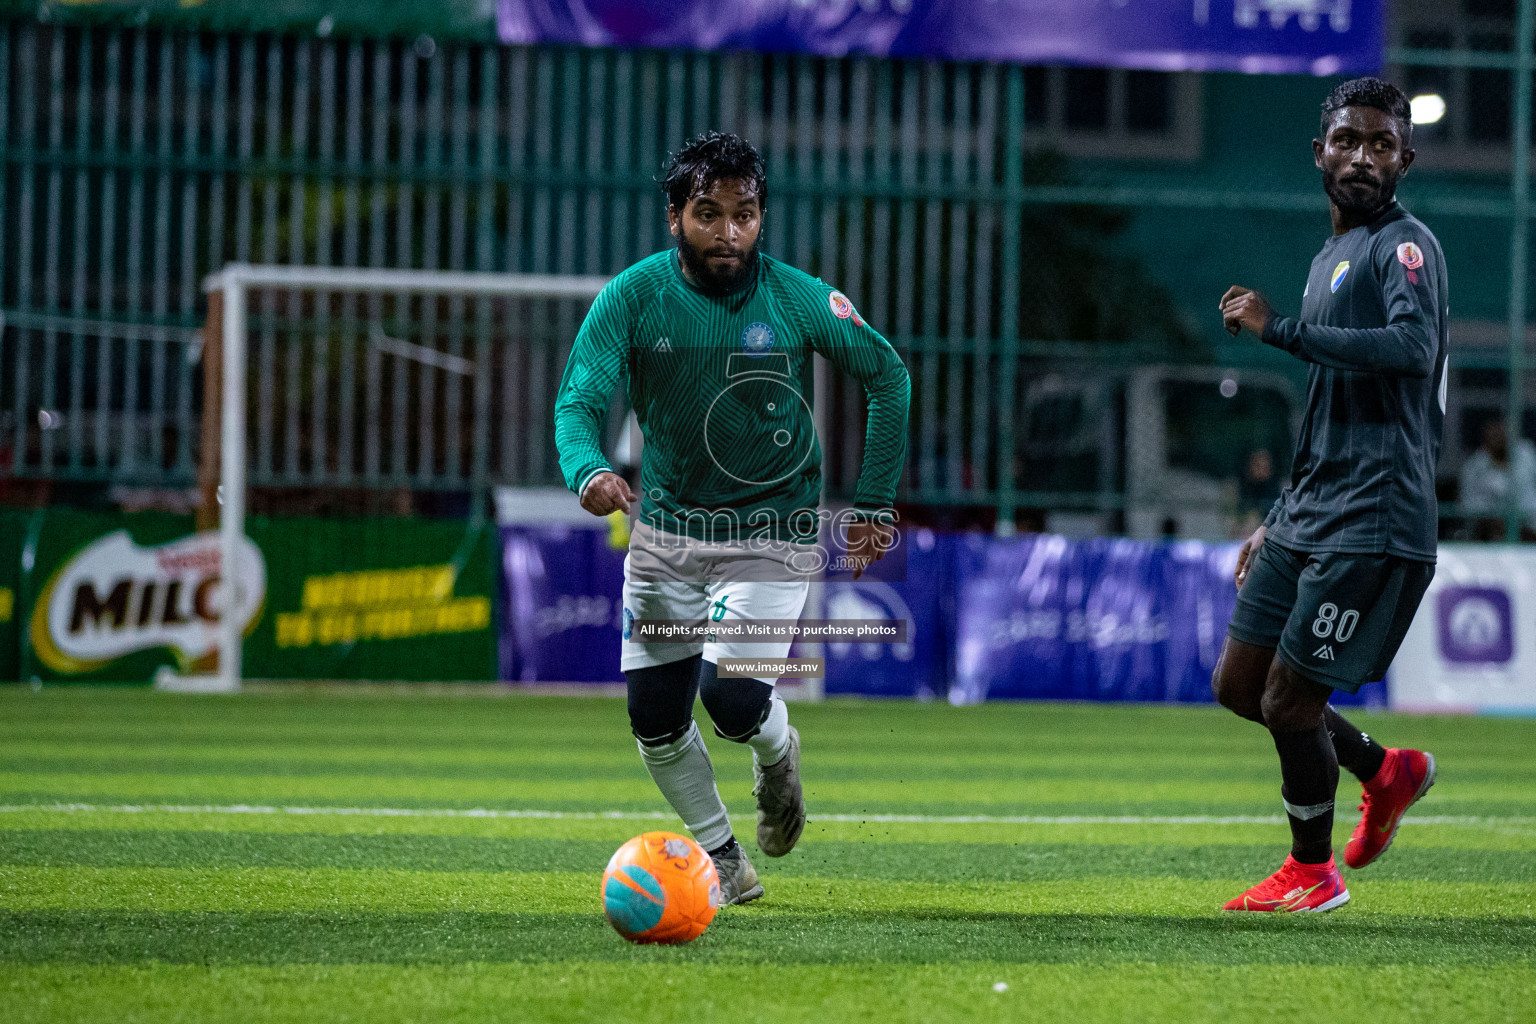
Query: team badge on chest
x,y
757,339
1339,273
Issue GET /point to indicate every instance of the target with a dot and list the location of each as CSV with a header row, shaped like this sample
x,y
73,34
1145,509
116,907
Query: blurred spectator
x,y
1487,478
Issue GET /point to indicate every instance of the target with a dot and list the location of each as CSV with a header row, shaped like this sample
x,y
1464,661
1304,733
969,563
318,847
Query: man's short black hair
x,y
1369,92
712,157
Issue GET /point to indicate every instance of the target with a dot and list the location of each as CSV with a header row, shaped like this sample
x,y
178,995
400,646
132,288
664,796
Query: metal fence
x,y
135,161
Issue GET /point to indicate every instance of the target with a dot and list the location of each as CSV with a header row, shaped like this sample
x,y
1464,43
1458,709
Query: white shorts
x,y
691,579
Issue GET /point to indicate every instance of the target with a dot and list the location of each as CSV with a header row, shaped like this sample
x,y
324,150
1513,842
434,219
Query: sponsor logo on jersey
x,y
1324,653
1410,256
629,623
1338,275
757,339
664,345
843,309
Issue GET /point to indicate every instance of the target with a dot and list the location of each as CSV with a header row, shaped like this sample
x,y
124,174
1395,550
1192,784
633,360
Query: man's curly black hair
x,y
712,157
1369,92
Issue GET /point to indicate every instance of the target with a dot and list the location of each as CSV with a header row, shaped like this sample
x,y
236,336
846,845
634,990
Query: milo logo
x,y
114,598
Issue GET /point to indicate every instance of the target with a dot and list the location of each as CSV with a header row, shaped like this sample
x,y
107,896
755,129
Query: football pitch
x,y
377,856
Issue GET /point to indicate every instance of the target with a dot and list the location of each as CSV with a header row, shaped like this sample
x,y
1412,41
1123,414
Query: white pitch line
x,y
861,819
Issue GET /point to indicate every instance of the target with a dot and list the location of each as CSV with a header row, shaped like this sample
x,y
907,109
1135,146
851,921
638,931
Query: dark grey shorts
x,y
1337,619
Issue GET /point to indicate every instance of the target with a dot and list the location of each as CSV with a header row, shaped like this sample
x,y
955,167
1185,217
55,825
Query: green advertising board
x,y
374,599
94,601
125,598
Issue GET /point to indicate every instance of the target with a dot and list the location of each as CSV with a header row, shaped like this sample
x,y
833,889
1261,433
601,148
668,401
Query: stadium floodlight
x,y
1427,108
236,284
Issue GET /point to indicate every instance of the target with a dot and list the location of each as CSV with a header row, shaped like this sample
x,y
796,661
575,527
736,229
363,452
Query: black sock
x,y
725,847
1309,770
1357,751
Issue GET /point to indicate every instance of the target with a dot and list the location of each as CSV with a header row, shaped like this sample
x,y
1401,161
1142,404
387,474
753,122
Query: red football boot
x,y
1405,776
1296,888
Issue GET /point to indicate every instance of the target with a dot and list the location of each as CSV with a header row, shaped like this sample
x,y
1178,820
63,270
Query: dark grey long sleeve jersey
x,y
1374,327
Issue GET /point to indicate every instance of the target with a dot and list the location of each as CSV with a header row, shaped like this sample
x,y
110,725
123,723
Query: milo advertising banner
x,y
116,606
104,598
124,598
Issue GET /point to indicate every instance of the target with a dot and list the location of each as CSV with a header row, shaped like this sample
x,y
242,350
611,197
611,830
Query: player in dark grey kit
x,y
1329,584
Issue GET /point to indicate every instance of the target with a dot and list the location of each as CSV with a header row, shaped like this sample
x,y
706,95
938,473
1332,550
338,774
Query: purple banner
x,y
1271,36
920,593
1033,617
560,605
1103,619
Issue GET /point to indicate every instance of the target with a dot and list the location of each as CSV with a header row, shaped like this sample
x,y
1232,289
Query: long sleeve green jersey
x,y
721,386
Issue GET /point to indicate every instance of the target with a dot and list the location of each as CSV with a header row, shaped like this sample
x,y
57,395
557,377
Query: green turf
x,y
189,912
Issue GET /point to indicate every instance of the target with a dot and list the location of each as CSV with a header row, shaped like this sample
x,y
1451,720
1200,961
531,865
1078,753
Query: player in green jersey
x,y
713,342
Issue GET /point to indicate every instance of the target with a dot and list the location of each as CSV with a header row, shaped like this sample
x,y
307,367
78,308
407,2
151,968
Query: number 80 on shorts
x,y
1330,622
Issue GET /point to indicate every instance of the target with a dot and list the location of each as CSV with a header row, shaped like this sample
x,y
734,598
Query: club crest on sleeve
x,y
757,339
840,306
1339,273
1410,256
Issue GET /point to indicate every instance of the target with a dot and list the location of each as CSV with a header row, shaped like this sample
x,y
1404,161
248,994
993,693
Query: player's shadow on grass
x,y
750,934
